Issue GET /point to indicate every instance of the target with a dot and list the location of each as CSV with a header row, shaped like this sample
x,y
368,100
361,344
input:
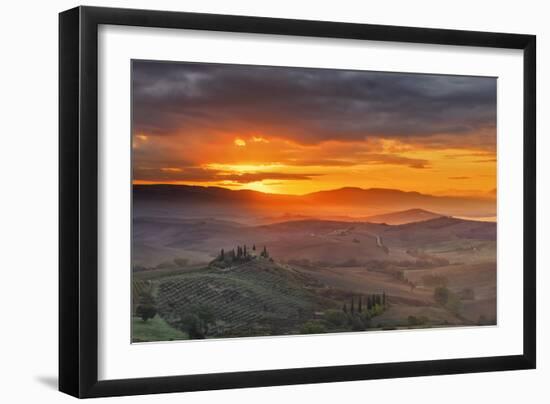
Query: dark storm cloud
x,y
309,105
199,174
246,178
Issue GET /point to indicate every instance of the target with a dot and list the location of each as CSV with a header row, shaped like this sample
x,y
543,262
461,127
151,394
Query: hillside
x,y
314,269
158,240
403,217
439,230
258,297
322,241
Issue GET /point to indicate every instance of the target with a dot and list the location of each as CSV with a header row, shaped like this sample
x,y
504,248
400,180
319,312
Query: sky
x,y
299,130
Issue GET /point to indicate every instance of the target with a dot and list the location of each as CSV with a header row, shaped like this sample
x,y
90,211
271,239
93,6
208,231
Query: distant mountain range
x,y
373,202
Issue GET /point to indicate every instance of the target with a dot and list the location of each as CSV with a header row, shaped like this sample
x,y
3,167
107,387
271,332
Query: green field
x,y
155,329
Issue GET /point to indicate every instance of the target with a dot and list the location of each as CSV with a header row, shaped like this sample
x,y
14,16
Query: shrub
x,y
146,311
445,297
357,324
196,321
336,318
412,320
453,303
313,327
191,324
365,318
376,310
441,295
416,321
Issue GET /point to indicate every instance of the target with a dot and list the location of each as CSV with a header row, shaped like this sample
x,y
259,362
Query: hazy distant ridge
x,y
402,217
365,202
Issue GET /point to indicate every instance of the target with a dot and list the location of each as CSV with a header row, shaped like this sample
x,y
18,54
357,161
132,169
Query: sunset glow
x,y
297,131
285,201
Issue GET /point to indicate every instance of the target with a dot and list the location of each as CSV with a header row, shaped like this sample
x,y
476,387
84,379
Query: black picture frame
x,y
78,201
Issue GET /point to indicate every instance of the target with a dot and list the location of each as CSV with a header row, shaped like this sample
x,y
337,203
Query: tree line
x,y
355,315
239,254
371,302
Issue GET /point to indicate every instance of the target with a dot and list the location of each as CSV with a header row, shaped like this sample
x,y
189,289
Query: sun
x,y
239,142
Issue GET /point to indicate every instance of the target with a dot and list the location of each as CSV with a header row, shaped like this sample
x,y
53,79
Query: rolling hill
x,y
403,217
257,297
331,242
327,250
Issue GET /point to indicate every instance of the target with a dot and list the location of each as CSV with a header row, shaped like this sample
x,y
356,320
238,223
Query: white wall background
x,y
28,202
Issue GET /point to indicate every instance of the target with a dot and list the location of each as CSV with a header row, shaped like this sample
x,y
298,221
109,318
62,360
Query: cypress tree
x,y
222,255
345,308
253,247
384,298
352,306
360,305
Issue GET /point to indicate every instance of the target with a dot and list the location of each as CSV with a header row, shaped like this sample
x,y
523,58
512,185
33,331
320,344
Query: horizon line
x,y
480,197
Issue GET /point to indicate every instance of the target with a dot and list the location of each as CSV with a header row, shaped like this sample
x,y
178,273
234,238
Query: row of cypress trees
x,y
370,302
241,254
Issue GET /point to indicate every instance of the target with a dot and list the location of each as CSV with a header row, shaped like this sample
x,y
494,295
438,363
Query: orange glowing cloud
x,y
295,131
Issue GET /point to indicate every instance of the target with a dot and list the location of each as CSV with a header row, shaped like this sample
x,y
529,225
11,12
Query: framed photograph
x,y
251,201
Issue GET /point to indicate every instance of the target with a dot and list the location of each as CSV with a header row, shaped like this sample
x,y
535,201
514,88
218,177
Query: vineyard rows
x,y
250,295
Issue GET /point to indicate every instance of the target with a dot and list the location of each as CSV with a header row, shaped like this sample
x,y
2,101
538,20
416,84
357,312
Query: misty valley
x,y
214,263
